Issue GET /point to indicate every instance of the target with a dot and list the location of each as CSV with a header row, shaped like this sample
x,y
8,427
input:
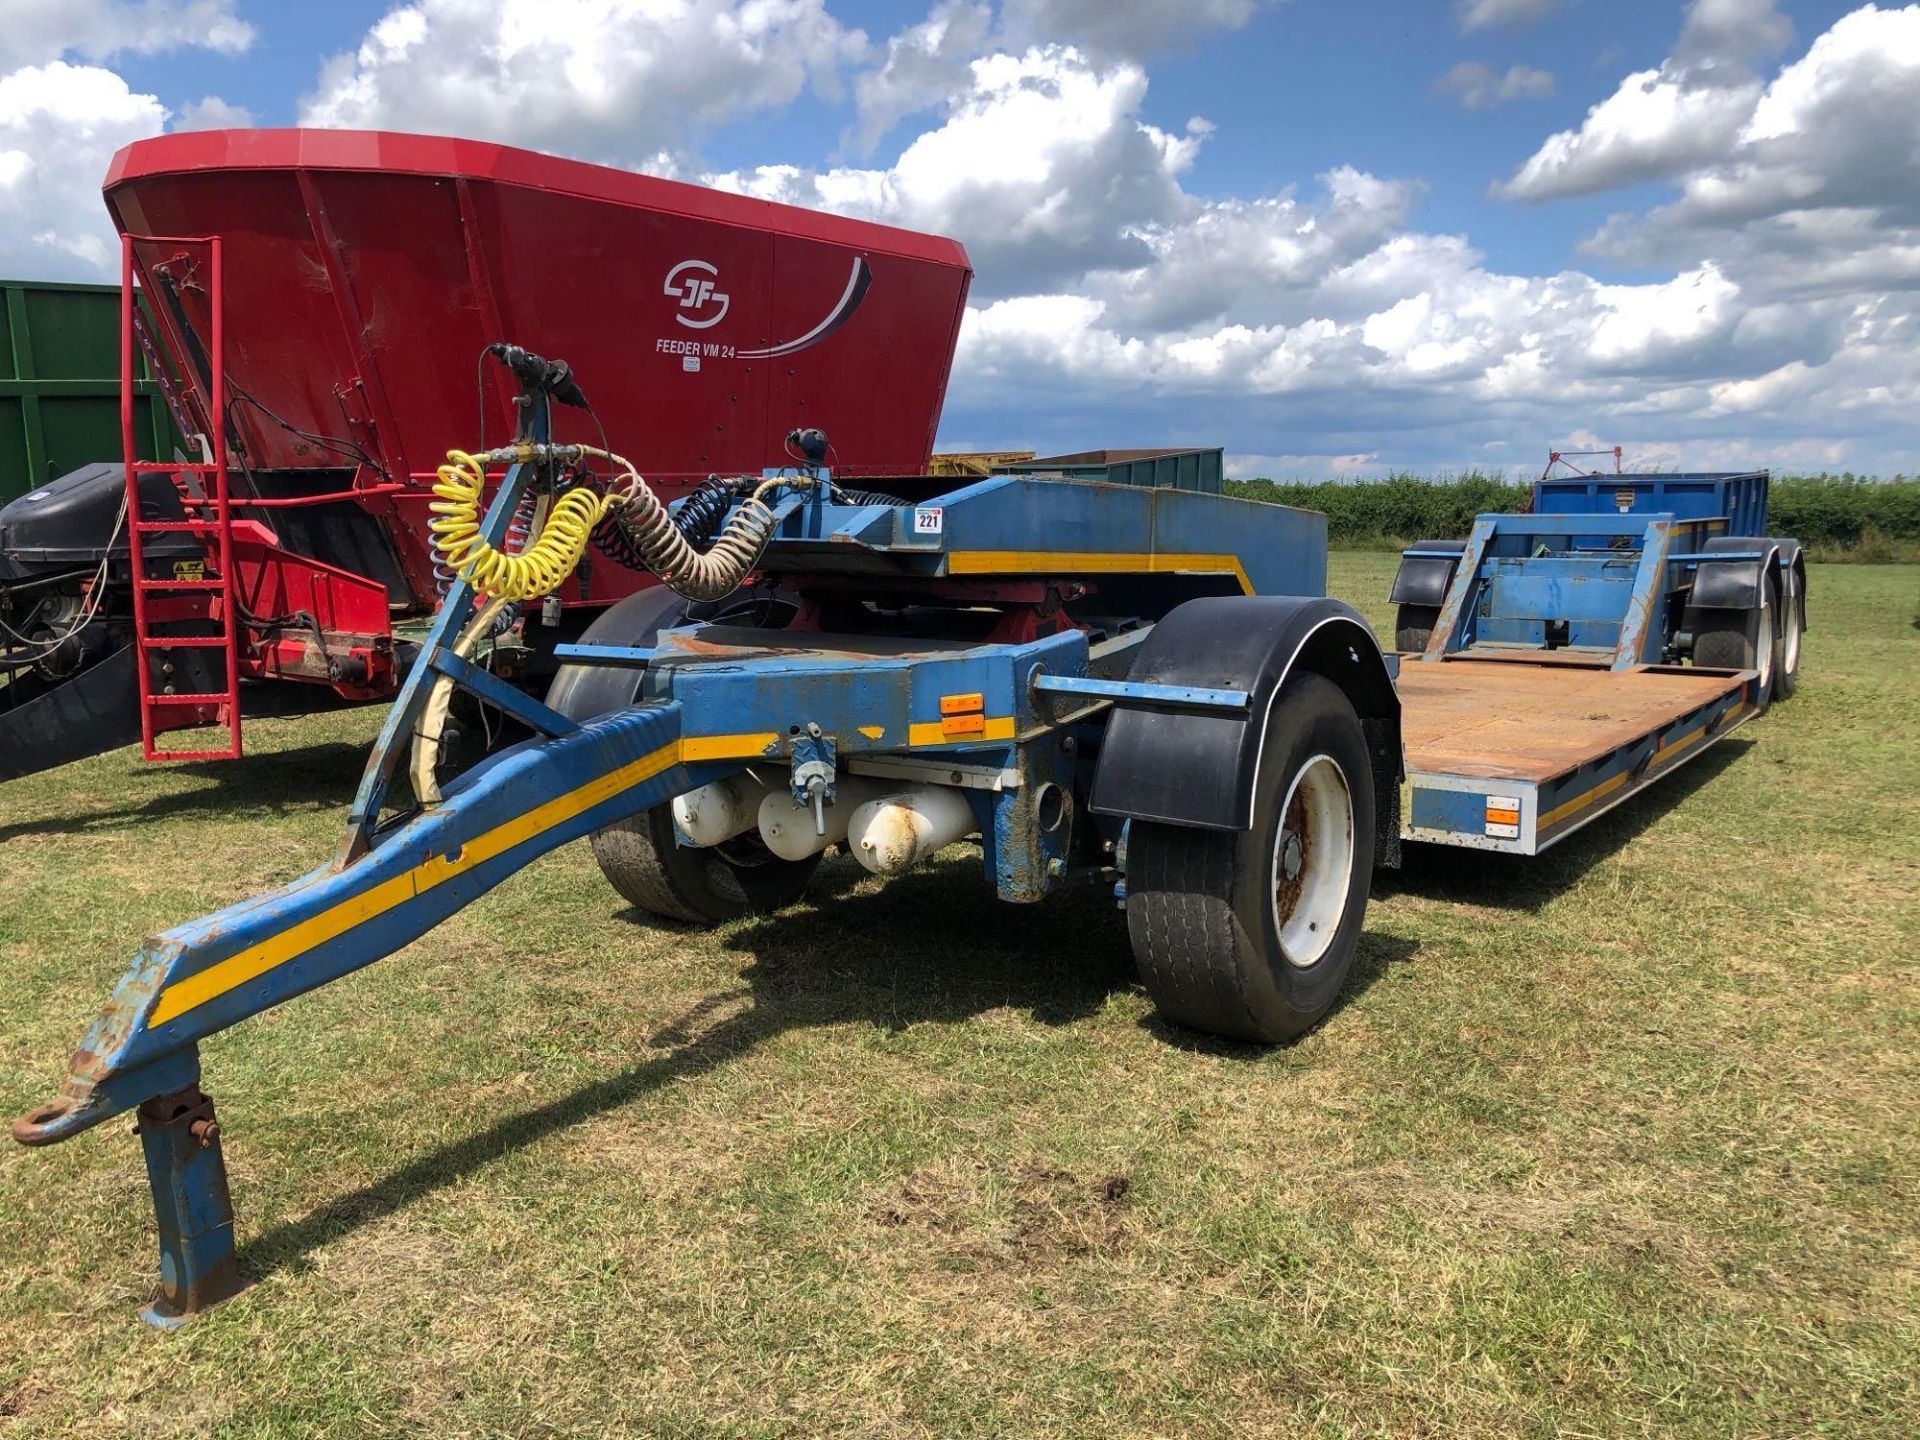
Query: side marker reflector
x,y
1503,817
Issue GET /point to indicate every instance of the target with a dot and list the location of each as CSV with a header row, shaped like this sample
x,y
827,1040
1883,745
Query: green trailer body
x,y
60,384
1200,470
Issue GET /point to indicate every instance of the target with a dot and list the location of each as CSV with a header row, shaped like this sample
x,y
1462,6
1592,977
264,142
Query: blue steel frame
x,y
1613,580
456,608
709,706
1738,501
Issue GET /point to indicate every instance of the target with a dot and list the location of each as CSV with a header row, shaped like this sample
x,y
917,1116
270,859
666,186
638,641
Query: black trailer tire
x,y
702,886
1742,640
640,855
1251,934
1790,631
1413,627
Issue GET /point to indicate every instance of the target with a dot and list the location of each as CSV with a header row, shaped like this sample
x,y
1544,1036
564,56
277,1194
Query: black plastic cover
x,y
66,522
1733,584
1424,580
96,711
1196,767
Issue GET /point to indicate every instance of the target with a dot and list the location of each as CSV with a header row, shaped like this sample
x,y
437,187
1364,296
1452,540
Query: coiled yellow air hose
x,y
561,532
539,569
547,560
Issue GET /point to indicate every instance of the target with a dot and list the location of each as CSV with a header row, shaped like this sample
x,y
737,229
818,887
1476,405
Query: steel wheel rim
x,y
1312,861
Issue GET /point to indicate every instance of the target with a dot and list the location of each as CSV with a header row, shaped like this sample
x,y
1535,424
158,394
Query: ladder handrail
x,y
220,520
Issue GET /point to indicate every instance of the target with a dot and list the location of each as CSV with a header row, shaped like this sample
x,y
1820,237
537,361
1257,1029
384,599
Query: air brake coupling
x,y
536,372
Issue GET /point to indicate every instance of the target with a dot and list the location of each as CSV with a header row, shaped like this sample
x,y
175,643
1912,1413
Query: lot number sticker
x,y
929,520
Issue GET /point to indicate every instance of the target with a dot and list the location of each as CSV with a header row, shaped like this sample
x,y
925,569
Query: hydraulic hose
x,y
559,533
642,517
710,574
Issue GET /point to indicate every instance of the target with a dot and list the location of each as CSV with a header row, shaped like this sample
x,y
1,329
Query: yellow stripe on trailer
x,y
727,747
1095,562
216,980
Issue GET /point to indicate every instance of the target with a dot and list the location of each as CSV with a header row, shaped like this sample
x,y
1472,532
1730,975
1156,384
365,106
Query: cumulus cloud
x,y
925,63
1258,260
1319,313
1816,193
1458,337
1480,14
212,113
34,31
1834,130
1129,29
1311,326
1478,86
1100,273
922,65
1718,31
1097,267
1654,126
1042,165
58,123
1663,122
61,121
620,79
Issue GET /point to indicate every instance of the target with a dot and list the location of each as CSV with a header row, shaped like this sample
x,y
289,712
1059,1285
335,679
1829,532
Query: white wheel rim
x,y
1763,644
1312,861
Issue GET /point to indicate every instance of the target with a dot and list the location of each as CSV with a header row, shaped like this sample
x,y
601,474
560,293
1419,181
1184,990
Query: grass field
x,y
1624,1140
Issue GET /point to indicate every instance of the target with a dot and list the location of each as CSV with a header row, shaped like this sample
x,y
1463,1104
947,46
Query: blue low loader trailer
x,y
1555,664
1141,689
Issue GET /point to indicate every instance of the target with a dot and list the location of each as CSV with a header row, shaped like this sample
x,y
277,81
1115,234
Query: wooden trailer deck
x,y
1508,755
1533,722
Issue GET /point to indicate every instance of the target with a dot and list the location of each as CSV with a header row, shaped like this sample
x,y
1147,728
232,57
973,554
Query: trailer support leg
x,y
188,1173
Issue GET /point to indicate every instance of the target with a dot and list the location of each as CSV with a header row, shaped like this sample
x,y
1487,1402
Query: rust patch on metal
x,y
1291,867
28,1129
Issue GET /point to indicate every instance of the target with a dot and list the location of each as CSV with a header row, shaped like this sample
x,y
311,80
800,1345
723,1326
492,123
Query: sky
x,y
1336,237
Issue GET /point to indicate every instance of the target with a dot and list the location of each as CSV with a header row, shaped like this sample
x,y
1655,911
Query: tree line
x,y
1840,517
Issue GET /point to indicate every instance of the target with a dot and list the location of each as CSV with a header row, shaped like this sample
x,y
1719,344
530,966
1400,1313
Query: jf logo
x,y
691,282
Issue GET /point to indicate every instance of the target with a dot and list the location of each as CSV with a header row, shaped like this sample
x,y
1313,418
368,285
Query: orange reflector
x,y
962,724
1503,817
960,704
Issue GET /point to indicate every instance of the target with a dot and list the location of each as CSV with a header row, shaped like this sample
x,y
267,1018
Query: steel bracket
x,y
813,753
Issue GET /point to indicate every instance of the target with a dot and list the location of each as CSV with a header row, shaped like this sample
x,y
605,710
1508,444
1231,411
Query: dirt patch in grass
x,y
1031,1214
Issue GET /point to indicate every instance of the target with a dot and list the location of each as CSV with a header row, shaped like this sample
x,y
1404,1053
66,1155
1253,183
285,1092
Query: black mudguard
x,y
1735,584
1425,579
1791,559
1196,767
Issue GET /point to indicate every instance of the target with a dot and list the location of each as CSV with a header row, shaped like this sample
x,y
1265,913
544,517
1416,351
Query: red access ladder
x,y
154,599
